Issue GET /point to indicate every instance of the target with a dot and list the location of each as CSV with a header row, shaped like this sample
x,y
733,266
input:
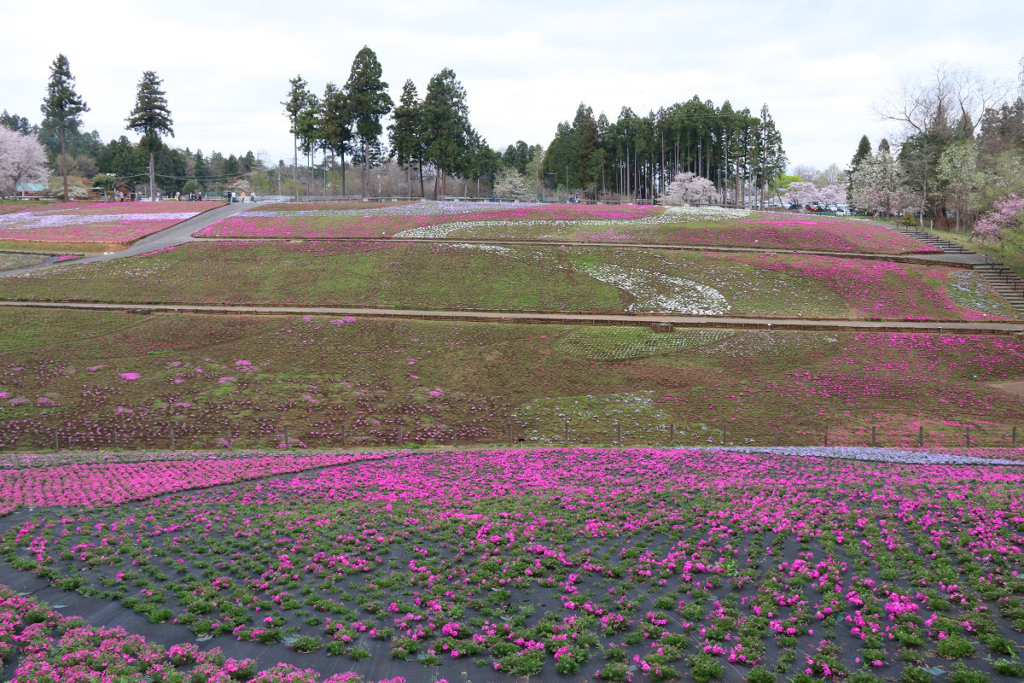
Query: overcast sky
x,y
526,65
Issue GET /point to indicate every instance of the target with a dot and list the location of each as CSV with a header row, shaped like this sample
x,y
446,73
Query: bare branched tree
x,y
951,98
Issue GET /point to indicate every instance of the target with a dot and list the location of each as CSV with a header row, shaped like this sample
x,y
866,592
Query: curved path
x,y
185,232
658,322
168,237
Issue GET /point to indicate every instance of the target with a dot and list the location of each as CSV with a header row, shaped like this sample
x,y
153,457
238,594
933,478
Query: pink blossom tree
x,y
22,160
808,193
689,188
1007,215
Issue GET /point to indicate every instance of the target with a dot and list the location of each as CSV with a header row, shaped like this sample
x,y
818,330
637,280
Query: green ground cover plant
x,y
503,278
240,380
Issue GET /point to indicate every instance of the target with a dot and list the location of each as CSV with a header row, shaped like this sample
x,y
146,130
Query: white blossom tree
x,y
958,171
689,188
511,184
22,160
806,194
877,186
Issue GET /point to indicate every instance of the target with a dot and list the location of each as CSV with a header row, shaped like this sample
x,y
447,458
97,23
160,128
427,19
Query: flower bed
x,y
385,273
646,563
45,645
698,226
373,382
108,223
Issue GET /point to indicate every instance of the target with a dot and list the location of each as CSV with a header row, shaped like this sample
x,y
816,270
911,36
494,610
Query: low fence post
x,y
920,437
826,436
343,437
671,435
777,436
172,437
967,441
874,436
618,433
401,435
56,441
724,435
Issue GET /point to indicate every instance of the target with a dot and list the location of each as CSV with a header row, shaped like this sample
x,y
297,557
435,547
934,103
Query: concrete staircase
x,y
1003,280
1006,282
928,238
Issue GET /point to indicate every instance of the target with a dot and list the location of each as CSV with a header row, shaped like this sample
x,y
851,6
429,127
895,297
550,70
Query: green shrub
x,y
955,647
704,667
761,675
1008,667
307,644
614,672
915,674
961,674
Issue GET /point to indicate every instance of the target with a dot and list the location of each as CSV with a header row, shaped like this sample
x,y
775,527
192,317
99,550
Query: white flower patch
x,y
762,343
29,221
492,248
687,296
636,412
620,343
676,214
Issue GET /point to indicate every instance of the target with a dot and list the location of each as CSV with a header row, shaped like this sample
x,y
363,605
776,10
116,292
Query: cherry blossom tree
x,y
877,186
1007,215
511,184
689,188
806,194
22,160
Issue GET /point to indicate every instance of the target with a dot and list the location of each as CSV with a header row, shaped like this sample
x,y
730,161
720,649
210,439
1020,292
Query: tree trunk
x,y
64,163
422,191
366,165
152,192
342,173
408,179
437,174
295,166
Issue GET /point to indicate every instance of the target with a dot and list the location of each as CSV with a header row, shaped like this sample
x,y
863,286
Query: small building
x,y
36,190
124,192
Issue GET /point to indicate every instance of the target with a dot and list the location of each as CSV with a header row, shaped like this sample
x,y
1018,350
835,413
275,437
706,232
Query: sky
x,y
819,66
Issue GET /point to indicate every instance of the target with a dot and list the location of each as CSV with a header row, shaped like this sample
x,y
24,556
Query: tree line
x,y
69,150
638,156
432,133
957,156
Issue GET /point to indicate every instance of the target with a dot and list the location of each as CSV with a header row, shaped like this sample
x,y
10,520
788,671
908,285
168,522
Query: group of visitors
x,y
233,197
190,197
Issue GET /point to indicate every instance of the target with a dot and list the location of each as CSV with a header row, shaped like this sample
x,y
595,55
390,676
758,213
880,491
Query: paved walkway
x,y
183,232
670,321
169,237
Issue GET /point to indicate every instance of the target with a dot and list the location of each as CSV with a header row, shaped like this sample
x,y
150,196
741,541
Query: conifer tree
x,y
63,107
368,101
150,118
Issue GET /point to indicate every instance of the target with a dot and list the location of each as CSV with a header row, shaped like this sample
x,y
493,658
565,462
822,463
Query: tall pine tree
x,y
446,125
368,101
151,119
298,97
63,108
406,133
336,126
